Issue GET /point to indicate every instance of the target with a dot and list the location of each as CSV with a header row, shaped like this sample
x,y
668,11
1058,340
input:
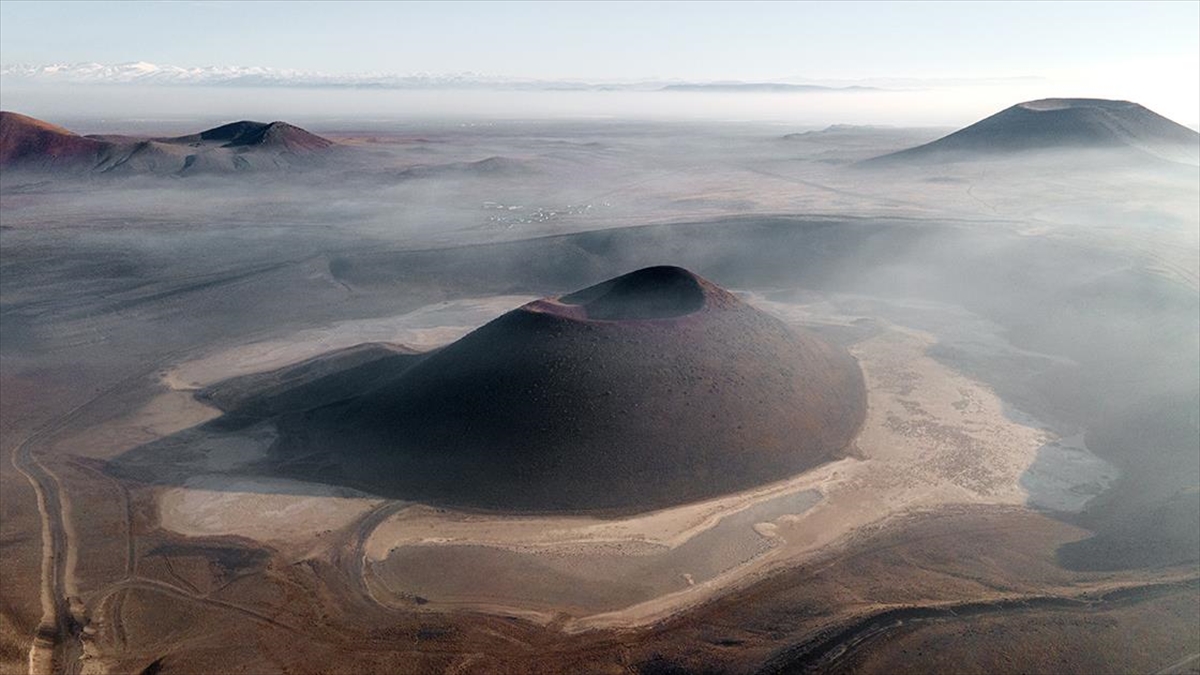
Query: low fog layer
x,y
171,110
1064,280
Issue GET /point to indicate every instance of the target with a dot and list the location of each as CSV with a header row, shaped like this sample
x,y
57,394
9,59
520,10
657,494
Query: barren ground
x,y
1001,315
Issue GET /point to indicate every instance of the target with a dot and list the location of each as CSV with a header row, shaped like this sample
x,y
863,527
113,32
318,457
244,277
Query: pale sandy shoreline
x,y
933,439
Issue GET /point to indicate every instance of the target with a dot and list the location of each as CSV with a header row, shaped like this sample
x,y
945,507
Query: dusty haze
x,y
1026,325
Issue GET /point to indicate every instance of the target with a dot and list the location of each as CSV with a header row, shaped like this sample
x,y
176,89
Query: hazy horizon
x,y
937,64
506,353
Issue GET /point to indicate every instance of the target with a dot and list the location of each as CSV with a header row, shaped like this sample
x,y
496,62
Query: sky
x,y
1137,50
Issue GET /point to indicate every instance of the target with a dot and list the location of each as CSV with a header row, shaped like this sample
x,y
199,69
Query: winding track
x,y
55,645
351,557
57,648
825,651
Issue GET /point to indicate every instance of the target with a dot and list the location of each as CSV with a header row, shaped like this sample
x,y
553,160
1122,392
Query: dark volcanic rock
x,y
249,134
1063,123
652,389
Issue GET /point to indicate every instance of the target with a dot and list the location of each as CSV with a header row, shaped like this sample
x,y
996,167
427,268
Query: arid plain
x,y
1021,493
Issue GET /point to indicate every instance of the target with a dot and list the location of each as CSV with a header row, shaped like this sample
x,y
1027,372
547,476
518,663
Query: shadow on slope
x,y
1126,336
1117,131
650,390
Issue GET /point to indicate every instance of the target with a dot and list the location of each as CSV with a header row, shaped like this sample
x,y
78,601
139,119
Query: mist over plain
x,y
1028,324
102,108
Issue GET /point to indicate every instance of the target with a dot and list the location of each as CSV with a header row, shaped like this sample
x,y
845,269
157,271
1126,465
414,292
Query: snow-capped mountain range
x,y
141,72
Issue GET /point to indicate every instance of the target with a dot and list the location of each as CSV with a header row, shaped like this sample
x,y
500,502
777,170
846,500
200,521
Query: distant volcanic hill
x,y
491,166
245,134
28,141
652,389
1062,124
30,144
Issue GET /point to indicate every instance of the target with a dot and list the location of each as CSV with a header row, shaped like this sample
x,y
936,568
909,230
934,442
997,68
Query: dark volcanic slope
x,y
247,134
1067,123
652,389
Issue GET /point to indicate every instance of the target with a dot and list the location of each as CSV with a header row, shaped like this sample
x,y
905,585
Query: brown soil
x,y
27,140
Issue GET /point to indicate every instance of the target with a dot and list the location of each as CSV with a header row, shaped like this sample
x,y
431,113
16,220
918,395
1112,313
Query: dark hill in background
x,y
247,134
1057,124
29,144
